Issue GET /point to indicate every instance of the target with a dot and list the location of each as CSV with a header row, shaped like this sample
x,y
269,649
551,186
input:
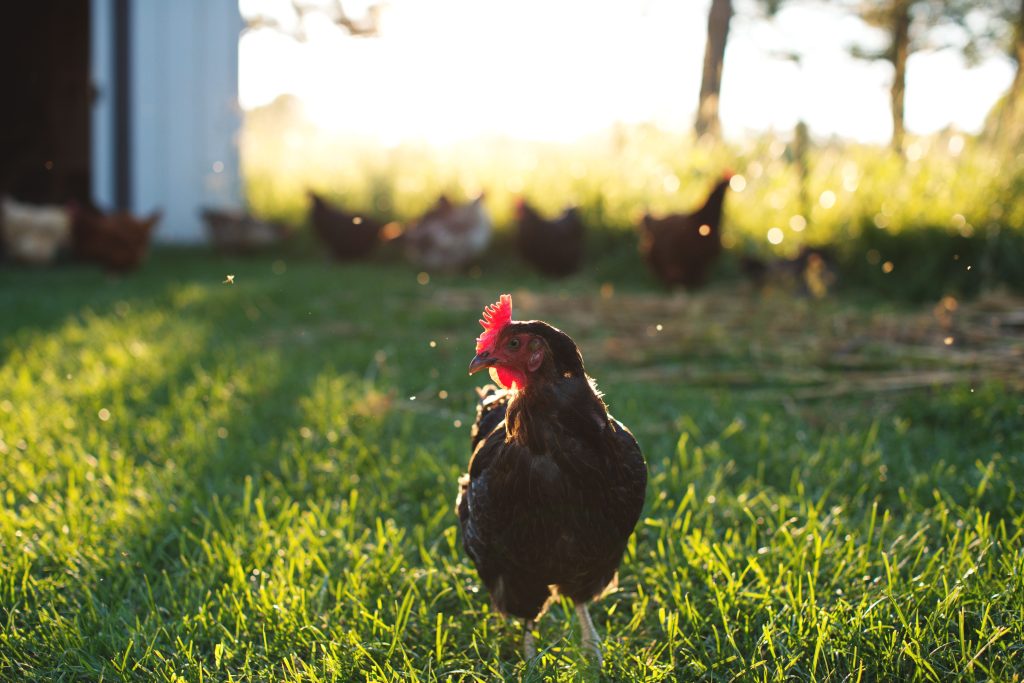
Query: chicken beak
x,y
480,361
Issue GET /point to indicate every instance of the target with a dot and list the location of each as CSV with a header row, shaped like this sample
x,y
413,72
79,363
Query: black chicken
x,y
554,247
812,272
234,231
346,235
555,484
682,248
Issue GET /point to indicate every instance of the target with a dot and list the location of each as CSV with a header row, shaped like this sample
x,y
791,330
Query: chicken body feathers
x,y
554,489
554,247
681,249
346,235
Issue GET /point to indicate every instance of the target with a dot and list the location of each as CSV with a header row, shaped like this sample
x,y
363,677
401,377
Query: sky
x,y
447,70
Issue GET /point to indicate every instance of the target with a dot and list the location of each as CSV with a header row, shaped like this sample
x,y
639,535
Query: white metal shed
x,y
165,116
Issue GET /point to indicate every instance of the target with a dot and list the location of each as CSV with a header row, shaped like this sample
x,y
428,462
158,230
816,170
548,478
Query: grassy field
x,y
949,215
206,481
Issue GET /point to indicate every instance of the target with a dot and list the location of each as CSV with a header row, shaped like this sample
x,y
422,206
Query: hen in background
x,y
554,247
235,231
118,241
812,272
346,235
33,234
449,236
555,483
682,248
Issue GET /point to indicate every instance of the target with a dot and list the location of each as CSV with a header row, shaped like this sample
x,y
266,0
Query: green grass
x,y
949,216
205,481
952,182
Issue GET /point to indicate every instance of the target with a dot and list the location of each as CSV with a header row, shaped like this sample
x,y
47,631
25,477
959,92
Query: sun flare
x,y
455,69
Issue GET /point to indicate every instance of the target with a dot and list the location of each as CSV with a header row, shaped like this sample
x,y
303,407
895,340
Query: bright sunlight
x,y
453,69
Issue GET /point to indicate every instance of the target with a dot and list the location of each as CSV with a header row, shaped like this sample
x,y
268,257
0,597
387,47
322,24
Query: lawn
x,y
254,481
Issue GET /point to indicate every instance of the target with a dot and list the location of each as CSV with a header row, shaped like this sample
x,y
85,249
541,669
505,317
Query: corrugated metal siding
x,y
101,69
184,110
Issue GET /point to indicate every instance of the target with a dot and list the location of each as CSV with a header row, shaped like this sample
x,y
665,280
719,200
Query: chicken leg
x,y
589,639
529,647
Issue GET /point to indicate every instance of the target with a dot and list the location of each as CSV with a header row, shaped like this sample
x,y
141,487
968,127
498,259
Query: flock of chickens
x,y
35,234
680,248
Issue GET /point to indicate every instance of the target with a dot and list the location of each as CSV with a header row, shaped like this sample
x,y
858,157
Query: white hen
x,y
449,236
33,233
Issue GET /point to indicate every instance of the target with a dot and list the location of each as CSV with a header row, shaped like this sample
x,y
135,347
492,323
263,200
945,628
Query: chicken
x,y
555,247
238,231
449,236
812,272
555,484
118,241
682,248
32,233
346,235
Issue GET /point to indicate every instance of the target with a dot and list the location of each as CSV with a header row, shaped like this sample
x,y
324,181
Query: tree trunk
x,y
1011,119
900,52
714,55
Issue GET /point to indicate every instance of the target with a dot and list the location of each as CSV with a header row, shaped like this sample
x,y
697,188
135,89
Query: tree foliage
x,y
913,26
288,17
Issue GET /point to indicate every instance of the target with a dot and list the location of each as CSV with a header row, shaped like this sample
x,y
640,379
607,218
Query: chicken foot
x,y
589,639
529,646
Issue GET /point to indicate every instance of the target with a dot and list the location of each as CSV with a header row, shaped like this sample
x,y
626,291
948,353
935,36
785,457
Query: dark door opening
x,y
45,81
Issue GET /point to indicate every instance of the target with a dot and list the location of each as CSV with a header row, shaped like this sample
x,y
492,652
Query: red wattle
x,y
508,378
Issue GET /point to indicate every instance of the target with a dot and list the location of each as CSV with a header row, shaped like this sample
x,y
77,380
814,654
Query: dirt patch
x,y
808,348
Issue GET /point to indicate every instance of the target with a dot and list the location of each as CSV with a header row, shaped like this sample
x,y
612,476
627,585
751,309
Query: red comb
x,y
496,316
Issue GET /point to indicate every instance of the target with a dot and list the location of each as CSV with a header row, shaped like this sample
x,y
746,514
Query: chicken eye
x,y
514,343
